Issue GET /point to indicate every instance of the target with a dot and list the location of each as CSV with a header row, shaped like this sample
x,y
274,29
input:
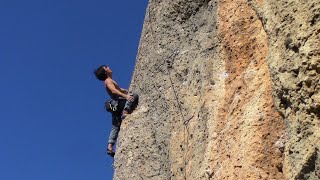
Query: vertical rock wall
x,y
293,30
229,90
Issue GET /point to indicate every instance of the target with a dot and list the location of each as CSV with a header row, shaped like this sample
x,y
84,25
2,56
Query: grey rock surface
x,y
228,89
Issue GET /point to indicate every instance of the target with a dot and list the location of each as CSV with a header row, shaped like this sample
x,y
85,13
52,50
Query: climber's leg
x,y
130,105
116,122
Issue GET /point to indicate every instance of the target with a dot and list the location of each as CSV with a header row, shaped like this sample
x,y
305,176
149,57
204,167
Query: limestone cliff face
x,y
229,89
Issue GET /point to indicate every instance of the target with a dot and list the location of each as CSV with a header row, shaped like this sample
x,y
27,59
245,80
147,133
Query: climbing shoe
x,y
110,153
124,115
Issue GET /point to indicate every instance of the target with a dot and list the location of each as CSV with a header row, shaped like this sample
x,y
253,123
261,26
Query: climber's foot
x,y
124,114
110,152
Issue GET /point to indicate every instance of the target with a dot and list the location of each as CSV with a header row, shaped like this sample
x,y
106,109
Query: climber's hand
x,y
129,98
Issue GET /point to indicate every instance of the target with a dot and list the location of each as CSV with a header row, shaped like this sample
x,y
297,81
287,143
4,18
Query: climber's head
x,y
103,72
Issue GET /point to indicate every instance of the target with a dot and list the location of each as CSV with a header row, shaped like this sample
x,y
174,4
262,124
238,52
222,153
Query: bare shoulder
x,y
108,81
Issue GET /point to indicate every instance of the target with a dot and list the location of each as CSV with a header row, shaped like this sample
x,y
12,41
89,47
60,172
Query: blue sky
x,y
52,122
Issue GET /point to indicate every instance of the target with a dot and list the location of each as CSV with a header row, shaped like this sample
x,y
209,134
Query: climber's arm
x,y
124,91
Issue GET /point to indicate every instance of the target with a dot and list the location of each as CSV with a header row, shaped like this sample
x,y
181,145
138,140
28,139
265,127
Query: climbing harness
x,y
111,105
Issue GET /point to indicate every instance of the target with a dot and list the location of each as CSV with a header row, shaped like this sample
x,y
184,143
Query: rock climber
x,y
122,103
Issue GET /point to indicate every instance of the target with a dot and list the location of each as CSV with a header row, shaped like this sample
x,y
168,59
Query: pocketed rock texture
x,y
228,89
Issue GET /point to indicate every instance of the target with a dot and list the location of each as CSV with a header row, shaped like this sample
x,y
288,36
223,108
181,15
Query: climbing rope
x,y
169,66
185,123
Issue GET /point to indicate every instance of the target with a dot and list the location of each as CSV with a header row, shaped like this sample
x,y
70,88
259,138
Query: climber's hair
x,y
101,73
